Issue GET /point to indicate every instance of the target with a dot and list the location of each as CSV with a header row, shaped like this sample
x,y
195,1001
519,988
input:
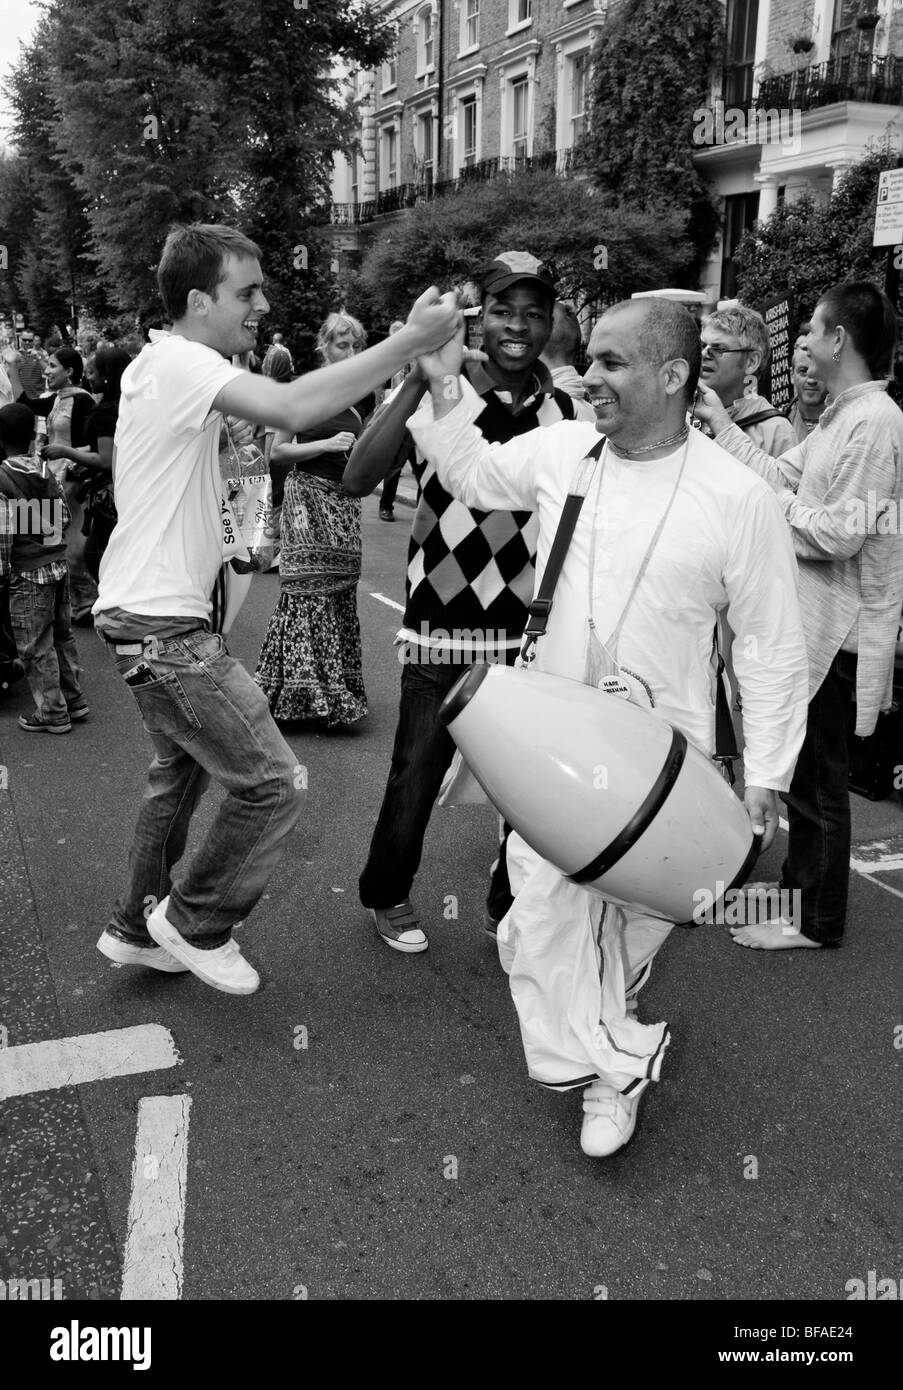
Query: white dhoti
x,y
572,959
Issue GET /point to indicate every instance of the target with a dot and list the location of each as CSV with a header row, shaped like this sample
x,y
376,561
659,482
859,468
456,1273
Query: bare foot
x,y
771,936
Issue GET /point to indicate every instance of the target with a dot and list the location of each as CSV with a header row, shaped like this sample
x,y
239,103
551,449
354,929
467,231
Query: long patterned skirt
x,y
310,662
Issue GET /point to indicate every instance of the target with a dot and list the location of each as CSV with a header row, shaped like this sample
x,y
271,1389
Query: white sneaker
x,y
127,953
609,1119
224,968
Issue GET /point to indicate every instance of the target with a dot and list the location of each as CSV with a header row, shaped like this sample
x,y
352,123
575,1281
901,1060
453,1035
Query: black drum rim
x,y
463,691
642,817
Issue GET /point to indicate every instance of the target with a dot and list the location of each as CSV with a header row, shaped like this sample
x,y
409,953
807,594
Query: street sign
x,y
889,209
890,186
888,224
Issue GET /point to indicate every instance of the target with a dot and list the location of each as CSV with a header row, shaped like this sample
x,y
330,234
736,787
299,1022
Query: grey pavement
x,y
403,1153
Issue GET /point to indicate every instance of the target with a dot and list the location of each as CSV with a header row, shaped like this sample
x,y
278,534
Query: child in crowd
x,y
33,520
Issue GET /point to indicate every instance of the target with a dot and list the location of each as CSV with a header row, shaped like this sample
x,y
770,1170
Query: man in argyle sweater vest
x,y
469,581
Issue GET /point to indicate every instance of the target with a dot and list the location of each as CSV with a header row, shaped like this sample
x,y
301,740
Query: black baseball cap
x,y
513,267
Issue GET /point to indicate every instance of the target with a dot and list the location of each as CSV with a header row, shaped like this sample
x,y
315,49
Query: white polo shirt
x,y
167,546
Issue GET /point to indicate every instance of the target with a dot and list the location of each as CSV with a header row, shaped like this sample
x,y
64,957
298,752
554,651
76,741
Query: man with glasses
x,y
735,346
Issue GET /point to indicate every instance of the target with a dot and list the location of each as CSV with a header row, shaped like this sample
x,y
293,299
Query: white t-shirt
x,y
167,547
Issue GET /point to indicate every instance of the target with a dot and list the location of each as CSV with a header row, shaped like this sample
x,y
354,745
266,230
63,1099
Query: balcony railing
x,y
408,195
854,77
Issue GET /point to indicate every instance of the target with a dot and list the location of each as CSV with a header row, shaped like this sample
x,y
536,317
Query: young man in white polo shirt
x,y
205,714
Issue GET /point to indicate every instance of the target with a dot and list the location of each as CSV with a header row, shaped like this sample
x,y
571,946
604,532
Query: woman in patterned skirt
x,y
310,661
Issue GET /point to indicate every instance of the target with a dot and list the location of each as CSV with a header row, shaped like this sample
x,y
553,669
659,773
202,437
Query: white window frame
x,y
470,101
469,37
423,118
522,64
516,85
520,16
582,57
389,128
467,85
388,73
568,50
425,64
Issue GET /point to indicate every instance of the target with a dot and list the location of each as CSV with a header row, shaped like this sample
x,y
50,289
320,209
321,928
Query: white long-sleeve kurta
x,y
725,544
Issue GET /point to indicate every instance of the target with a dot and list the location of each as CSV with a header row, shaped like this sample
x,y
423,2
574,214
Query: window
x,y
423,145
389,157
425,40
519,12
389,72
468,132
519,93
470,24
740,51
740,212
579,64
846,37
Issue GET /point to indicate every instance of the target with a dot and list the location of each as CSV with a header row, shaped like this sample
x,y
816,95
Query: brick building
x,y
816,82
474,87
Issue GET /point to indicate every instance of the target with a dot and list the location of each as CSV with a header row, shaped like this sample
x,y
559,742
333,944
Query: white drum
x,y
614,797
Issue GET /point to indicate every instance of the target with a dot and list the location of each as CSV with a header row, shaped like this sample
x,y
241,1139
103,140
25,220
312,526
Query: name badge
x,y
613,685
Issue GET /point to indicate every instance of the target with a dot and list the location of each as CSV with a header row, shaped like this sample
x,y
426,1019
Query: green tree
x,y
213,110
563,221
39,202
652,68
806,246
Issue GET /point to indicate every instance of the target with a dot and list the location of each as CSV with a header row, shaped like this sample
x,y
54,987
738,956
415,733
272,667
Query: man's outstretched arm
x,y
300,404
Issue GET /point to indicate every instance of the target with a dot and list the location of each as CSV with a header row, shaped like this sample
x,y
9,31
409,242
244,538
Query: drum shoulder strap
x,y
541,606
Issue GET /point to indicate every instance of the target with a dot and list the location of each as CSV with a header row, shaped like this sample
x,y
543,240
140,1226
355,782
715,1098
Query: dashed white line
x,y
153,1263
389,602
47,1066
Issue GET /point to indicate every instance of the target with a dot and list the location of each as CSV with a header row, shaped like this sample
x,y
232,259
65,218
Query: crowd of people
x,y
732,537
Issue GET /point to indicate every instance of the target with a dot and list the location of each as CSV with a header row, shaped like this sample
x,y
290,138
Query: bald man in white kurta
x,y
724,545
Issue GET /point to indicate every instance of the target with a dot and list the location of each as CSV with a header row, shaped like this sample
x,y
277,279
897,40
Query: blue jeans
x,y
421,756
42,625
208,719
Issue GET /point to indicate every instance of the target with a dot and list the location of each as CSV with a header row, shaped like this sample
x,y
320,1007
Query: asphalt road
x,y
403,1153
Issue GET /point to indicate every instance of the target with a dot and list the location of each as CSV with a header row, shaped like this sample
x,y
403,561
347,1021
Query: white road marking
x,y
390,602
874,864
47,1066
152,1266
877,866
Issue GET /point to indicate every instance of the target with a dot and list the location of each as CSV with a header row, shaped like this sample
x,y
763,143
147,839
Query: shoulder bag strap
x,y
541,606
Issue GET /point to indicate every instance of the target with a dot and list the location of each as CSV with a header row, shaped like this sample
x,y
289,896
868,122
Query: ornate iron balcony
x,y
854,77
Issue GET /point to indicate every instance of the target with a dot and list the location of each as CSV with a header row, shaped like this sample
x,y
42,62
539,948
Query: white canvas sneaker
x,y
609,1119
128,953
223,968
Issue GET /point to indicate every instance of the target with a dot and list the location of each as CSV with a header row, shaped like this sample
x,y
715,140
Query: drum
x,y
614,797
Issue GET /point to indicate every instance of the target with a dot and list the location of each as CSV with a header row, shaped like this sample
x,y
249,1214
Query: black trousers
x,y
818,803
